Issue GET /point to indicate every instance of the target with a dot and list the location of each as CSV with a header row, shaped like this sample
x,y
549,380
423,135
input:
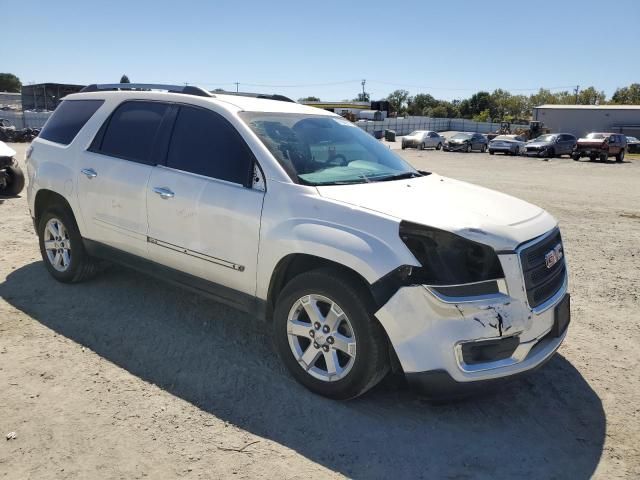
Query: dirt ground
x,y
127,377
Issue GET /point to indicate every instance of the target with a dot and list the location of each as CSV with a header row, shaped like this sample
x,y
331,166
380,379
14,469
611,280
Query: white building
x,y
582,119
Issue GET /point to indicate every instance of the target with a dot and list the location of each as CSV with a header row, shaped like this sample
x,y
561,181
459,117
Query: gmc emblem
x,y
553,256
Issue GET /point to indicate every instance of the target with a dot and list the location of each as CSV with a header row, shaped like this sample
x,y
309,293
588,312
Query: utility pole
x,y
237,85
577,90
363,82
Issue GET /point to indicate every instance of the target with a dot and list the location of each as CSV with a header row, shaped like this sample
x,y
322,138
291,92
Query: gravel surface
x,y
127,377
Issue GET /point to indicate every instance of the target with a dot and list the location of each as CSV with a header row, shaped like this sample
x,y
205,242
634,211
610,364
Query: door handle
x,y
89,172
164,192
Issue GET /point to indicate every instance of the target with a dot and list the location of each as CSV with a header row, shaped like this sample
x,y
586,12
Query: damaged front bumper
x,y
451,345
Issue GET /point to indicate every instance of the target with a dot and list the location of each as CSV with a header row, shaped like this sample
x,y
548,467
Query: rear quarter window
x,y
68,119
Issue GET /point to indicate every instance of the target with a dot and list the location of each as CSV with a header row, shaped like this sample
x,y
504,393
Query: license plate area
x,y
561,316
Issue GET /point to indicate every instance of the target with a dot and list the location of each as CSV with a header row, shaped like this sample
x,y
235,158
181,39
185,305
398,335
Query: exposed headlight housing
x,y
448,259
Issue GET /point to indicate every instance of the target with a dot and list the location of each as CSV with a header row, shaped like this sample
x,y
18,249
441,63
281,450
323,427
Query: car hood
x,y
473,212
538,144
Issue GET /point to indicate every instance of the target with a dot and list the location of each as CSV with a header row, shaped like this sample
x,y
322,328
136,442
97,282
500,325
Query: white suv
x,y
358,262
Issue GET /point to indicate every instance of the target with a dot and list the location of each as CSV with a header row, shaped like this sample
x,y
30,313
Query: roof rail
x,y
186,89
267,96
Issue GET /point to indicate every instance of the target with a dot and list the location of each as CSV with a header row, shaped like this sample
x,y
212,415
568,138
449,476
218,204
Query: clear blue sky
x,y
324,48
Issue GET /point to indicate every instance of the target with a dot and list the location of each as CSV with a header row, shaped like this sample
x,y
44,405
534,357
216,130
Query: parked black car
x,y
551,145
633,145
465,142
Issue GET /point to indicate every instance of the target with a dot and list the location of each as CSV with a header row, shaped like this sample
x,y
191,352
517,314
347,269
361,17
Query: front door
x,y
204,217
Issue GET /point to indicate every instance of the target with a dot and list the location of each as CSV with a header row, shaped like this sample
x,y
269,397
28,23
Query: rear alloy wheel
x,y
620,156
62,248
327,336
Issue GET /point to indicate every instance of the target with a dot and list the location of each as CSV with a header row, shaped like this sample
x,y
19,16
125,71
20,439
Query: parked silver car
x,y
466,142
422,139
551,145
507,144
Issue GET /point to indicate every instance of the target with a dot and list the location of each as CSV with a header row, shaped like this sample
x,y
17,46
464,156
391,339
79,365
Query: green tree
x,y
627,95
9,83
398,101
420,102
483,116
439,111
591,96
362,97
309,99
124,79
479,102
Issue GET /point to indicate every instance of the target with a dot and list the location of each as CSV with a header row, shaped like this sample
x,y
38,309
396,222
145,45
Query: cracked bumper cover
x,y
428,330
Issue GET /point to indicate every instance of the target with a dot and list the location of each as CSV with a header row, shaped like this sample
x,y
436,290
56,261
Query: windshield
x,y
462,136
545,138
632,139
415,133
507,137
323,150
596,136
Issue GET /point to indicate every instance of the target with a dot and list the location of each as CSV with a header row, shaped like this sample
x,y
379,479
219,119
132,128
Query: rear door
x,y
113,175
204,215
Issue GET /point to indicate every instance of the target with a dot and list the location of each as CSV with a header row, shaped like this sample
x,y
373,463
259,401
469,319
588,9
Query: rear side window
x,y
203,142
68,119
131,131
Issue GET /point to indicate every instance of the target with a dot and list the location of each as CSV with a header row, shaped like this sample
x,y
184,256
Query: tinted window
x,y
68,119
131,131
205,143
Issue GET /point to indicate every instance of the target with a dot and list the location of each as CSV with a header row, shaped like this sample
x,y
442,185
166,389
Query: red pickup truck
x,y
601,146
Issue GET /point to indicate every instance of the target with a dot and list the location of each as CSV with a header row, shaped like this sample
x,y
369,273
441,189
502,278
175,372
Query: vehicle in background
x,y
551,145
422,139
11,175
465,142
601,146
633,145
507,144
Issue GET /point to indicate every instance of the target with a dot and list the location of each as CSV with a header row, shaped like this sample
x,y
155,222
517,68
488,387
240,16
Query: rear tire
x,y
575,156
491,152
15,181
330,294
483,148
62,248
620,156
551,153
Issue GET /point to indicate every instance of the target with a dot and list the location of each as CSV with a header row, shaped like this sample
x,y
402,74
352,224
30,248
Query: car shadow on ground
x,y
548,424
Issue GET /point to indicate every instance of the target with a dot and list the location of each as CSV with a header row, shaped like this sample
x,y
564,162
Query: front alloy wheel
x,y
327,336
321,338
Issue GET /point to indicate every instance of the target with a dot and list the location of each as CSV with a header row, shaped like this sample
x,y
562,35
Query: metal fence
x,y
403,126
26,119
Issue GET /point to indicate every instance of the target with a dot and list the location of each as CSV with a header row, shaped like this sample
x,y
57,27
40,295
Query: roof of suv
x,y
229,102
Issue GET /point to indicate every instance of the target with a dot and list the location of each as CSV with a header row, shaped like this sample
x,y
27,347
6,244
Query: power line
x,y
424,87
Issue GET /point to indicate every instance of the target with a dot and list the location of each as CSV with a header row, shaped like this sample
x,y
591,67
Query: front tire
x,y
327,336
15,181
439,146
61,246
468,149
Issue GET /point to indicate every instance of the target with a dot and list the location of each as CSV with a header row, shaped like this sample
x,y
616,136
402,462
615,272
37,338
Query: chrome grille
x,y
542,282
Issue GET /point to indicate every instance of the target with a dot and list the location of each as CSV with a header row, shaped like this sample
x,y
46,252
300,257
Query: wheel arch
x,y
296,263
45,198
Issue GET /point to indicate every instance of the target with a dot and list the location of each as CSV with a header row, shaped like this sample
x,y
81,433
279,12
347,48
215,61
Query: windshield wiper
x,y
400,176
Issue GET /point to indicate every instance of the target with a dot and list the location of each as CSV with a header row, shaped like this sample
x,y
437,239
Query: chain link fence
x,y
406,125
